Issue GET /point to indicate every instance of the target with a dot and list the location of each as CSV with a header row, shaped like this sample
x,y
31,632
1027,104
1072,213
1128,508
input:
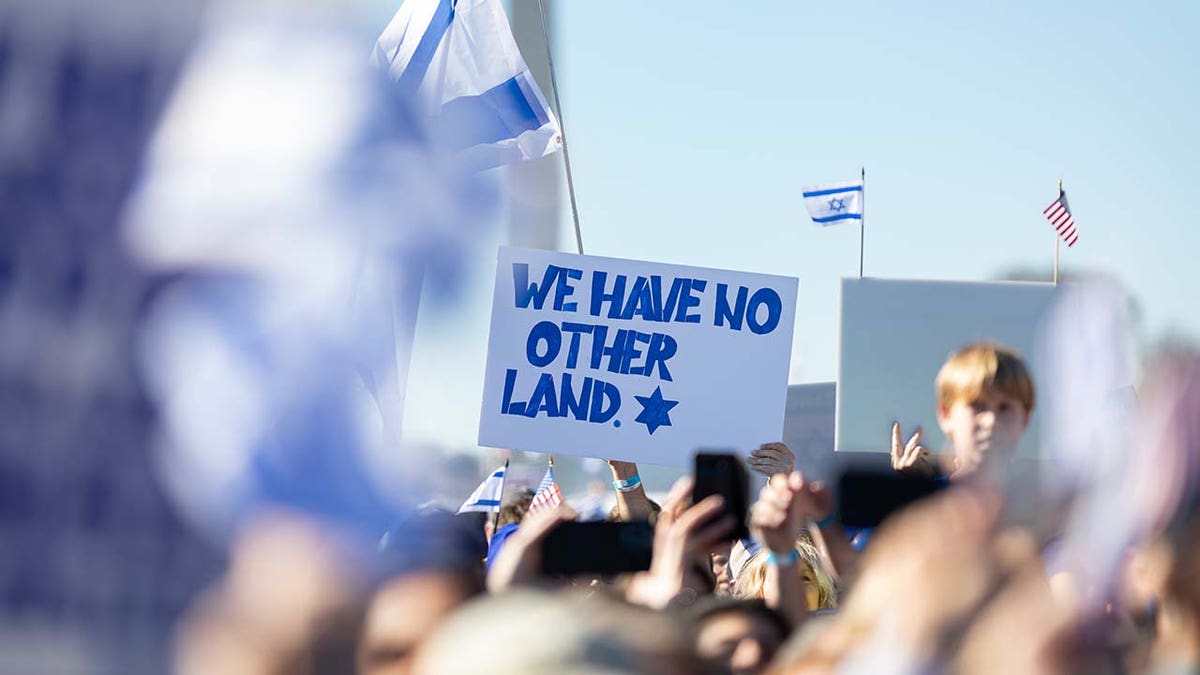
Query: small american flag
x,y
548,495
1059,215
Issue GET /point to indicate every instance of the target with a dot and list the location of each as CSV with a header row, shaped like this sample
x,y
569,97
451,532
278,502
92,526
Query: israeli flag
x,y
459,61
833,203
487,496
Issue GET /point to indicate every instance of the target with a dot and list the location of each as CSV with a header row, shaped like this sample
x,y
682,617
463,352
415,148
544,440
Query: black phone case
x,y
598,547
866,498
722,473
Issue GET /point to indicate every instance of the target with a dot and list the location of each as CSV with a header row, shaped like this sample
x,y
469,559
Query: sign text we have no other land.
x,y
624,359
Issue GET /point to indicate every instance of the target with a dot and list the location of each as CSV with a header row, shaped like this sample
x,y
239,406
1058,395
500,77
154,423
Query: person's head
x,y
739,635
513,511
985,397
290,601
403,612
565,633
429,564
819,588
718,559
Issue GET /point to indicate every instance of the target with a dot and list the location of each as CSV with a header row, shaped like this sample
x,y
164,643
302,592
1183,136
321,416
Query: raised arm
x,y
776,520
632,502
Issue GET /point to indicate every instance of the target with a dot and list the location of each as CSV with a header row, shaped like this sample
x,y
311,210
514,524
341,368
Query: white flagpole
x,y
862,222
500,498
562,128
1056,238
1055,258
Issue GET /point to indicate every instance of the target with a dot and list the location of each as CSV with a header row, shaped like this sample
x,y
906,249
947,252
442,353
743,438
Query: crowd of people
x,y
966,580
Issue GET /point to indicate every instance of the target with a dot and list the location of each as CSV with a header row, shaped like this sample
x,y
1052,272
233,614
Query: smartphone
x,y
597,547
723,473
866,497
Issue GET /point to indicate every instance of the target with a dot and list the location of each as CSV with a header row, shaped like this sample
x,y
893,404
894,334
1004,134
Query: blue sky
x,y
694,125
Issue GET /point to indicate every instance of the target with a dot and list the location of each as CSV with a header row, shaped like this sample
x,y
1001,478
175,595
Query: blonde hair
x,y
752,576
981,366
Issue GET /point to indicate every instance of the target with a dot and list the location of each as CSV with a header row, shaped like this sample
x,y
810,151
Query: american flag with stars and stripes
x,y
548,495
1059,215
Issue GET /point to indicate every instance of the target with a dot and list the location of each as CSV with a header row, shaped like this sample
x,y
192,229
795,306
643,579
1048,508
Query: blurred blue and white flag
x,y
831,204
459,61
304,331
487,496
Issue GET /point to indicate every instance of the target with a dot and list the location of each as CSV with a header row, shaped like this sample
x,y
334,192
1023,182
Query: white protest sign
x,y
895,335
638,361
808,427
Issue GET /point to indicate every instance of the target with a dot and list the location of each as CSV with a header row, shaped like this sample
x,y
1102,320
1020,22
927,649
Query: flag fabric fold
x,y
486,497
548,494
459,60
833,203
1059,215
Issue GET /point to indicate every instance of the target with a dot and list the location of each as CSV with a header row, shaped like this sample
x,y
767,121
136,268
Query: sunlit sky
x,y
692,127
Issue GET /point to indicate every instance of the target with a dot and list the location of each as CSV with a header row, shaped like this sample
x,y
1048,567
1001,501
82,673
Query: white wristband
x,y
628,485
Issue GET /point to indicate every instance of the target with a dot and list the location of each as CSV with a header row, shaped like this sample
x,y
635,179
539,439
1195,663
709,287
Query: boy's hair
x,y
984,365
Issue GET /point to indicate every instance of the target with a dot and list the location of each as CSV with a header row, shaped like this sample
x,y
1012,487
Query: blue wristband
x,y
828,520
783,559
627,485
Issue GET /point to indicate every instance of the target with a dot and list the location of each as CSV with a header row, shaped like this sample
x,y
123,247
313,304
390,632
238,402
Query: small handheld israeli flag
x,y
833,203
459,60
487,496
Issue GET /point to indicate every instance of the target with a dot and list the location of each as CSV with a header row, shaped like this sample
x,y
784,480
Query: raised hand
x,y
520,560
784,506
622,469
777,516
910,458
772,458
682,532
945,538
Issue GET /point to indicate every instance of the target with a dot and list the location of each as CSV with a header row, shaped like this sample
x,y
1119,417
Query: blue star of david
x,y
836,204
654,410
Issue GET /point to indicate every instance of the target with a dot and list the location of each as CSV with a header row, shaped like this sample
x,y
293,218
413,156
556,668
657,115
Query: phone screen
x,y
598,547
724,474
867,497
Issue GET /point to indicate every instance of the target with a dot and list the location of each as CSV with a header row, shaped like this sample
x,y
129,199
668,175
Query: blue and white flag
x,y
459,61
487,496
833,203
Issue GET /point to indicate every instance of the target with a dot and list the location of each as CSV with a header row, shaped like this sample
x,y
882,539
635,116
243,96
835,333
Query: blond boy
x,y
985,398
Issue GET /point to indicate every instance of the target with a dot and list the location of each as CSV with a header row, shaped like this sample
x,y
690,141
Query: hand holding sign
x,y
632,502
772,458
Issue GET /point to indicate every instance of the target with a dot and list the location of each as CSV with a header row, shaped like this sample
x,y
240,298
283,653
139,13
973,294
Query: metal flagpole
x,y
496,513
862,222
562,128
1055,258
1056,238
